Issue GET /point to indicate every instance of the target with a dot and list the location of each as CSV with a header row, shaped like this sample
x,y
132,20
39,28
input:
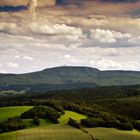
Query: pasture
x,y
70,114
7,112
49,131
113,134
65,132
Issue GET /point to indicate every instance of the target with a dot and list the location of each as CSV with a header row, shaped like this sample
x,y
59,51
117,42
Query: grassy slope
x,y
29,122
114,134
64,132
7,112
51,132
70,114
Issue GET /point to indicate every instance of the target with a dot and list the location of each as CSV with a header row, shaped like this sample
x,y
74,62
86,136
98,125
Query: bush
x,y
12,124
41,112
100,122
136,125
73,122
126,126
36,120
93,122
122,119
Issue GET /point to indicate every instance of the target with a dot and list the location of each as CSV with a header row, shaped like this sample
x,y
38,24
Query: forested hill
x,y
70,75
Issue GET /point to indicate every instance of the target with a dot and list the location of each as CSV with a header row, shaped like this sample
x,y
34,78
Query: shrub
x,y
41,112
36,120
136,125
93,122
12,124
73,122
126,126
100,122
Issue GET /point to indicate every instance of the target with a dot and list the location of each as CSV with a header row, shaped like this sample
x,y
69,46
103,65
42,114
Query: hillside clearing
x,y
7,112
65,132
51,132
113,134
70,114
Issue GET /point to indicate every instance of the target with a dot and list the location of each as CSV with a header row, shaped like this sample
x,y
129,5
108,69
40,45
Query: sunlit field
x,y
7,112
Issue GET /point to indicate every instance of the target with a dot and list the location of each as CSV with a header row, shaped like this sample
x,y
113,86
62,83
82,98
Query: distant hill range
x,y
67,77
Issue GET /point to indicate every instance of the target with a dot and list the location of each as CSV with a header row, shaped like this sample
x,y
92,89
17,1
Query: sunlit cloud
x,y
107,36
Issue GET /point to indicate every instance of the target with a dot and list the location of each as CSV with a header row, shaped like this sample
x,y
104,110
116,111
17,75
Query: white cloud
x,y
2,71
28,58
58,29
17,56
4,26
106,64
68,58
107,36
67,39
135,40
12,65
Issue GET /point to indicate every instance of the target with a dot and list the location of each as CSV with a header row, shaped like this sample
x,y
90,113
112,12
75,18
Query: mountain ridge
x,y
59,67
74,74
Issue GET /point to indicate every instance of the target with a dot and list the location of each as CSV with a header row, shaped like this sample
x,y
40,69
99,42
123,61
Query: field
x,y
7,112
49,131
65,132
114,134
70,114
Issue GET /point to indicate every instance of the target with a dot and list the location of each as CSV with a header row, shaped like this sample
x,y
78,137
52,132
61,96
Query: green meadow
x,y
113,134
70,114
49,131
65,132
7,112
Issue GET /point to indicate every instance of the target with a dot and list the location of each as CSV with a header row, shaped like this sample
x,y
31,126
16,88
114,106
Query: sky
x,y
103,34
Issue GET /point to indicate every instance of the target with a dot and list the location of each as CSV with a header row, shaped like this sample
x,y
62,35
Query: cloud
x,y
17,56
12,65
134,39
6,27
25,2
50,52
28,58
107,36
57,29
106,64
68,58
71,36
2,71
